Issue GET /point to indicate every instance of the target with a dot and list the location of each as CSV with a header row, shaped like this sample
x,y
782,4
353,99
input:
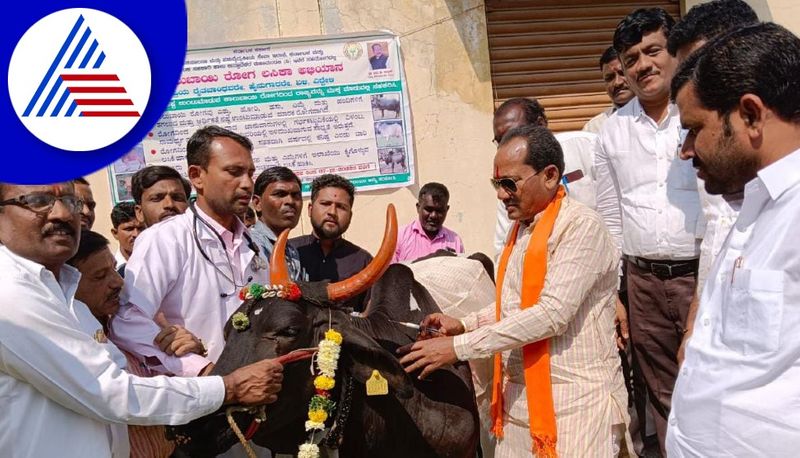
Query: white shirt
x,y
645,189
64,393
168,273
119,258
719,216
738,391
579,149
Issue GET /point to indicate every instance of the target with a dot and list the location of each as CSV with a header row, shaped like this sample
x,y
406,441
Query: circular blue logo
x,y
86,82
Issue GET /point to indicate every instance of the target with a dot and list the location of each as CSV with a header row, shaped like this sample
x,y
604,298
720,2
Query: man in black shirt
x,y
324,254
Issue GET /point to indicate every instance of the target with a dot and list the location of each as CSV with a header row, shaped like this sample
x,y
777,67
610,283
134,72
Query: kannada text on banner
x,y
323,106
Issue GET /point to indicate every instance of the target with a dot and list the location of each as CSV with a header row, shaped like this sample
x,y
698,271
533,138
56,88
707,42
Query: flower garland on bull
x,y
321,407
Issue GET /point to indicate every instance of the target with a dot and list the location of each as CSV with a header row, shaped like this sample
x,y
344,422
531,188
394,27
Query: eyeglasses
x,y
42,203
510,184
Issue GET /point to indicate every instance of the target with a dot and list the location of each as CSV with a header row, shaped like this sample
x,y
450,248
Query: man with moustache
x,y
738,386
616,88
125,227
99,289
324,254
64,390
160,192
84,193
558,388
702,23
427,234
648,198
278,198
191,267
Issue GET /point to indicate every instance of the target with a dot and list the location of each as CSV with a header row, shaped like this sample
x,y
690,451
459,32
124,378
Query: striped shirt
x,y
576,312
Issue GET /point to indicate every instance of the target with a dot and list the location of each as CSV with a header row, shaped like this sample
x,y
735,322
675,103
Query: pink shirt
x,y
413,242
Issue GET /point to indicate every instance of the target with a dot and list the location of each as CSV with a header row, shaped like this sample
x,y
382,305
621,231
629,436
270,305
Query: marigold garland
x,y
321,407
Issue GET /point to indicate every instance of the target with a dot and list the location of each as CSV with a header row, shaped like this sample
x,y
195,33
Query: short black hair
x,y
122,213
273,174
761,59
81,180
630,29
543,148
707,20
534,111
437,192
197,149
91,242
330,180
152,174
608,55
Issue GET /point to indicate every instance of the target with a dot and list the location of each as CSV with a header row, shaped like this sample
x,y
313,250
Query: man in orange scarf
x,y
558,387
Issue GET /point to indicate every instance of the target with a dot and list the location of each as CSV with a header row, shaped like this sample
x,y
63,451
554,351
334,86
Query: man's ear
x,y
753,113
552,177
137,209
257,204
115,233
196,177
361,354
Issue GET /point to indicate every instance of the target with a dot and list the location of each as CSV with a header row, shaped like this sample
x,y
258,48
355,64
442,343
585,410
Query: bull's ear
x,y
361,355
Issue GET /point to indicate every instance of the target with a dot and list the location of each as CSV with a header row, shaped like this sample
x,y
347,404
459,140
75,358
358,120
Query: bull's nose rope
x,y
261,415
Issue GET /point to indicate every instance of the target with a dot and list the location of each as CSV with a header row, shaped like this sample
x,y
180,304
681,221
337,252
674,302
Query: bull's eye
x,y
288,332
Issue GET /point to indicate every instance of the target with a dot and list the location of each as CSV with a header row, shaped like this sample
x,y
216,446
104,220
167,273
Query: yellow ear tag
x,y
377,385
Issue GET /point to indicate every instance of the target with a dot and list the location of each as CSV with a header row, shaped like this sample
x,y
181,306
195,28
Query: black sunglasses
x,y
510,184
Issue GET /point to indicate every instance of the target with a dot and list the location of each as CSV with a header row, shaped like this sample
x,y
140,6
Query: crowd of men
x,y
645,272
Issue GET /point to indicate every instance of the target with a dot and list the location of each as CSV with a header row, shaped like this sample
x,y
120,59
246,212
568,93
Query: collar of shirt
x,y
68,276
770,183
639,113
416,226
262,228
231,240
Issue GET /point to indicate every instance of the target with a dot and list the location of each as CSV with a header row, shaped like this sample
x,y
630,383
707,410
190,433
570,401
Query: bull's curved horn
x,y
278,270
359,282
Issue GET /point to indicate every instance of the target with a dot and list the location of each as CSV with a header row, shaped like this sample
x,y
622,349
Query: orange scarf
x,y
536,355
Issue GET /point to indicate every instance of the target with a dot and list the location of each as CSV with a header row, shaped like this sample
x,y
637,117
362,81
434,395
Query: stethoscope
x,y
256,264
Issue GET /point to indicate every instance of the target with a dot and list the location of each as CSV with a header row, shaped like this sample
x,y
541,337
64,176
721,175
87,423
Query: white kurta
x,y
63,393
576,313
738,391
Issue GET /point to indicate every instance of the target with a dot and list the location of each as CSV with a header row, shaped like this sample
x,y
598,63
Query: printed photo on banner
x,y
130,162
385,106
123,187
389,133
392,160
378,53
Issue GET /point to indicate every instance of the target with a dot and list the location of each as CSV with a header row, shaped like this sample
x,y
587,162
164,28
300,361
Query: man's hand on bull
x,y
443,324
177,340
255,384
428,355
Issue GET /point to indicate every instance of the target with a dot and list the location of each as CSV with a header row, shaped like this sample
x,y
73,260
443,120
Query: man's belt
x,y
665,269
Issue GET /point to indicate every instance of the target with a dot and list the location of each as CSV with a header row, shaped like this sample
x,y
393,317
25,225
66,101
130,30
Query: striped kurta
x,y
576,313
146,441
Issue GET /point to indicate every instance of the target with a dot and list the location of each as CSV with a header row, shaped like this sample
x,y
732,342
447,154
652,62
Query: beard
x,y
327,234
728,168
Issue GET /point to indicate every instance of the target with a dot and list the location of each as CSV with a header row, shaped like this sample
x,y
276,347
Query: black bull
x,y
435,417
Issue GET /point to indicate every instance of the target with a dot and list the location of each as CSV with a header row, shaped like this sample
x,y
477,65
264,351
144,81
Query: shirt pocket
x,y
753,311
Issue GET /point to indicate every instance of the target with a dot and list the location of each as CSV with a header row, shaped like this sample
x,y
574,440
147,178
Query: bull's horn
x,y
278,270
358,283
